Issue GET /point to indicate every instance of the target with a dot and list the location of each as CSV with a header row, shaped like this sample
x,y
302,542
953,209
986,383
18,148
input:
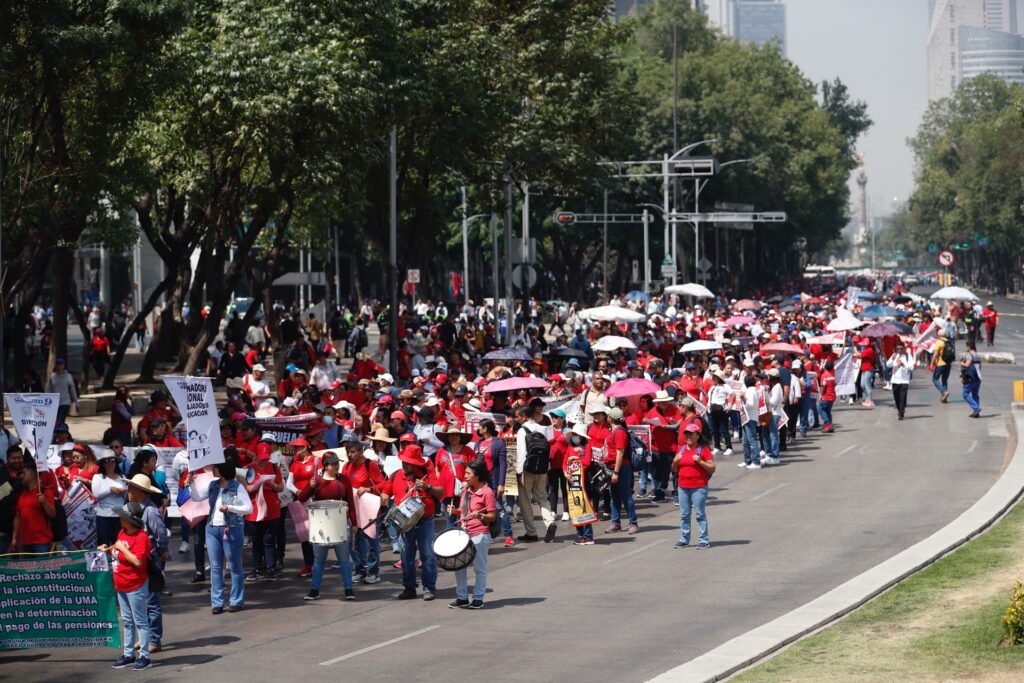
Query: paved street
x,y
781,536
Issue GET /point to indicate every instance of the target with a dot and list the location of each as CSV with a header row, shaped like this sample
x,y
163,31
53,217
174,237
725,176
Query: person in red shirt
x,y
331,486
36,506
579,451
478,509
664,419
266,510
366,479
556,472
159,406
304,467
827,382
416,479
130,557
85,467
694,465
451,468
247,442
158,435
868,359
691,383
618,460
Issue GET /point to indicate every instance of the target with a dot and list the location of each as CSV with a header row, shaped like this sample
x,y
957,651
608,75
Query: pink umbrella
x,y
516,384
635,386
739,321
746,305
782,347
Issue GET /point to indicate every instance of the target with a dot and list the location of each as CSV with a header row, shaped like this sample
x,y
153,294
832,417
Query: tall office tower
x,y
759,21
971,37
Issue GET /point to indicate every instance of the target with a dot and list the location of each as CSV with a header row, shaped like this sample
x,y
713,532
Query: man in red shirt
x,y
827,381
664,419
416,479
618,459
366,478
36,506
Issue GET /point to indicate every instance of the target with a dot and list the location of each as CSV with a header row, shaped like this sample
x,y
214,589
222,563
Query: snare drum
x,y
454,550
328,522
406,514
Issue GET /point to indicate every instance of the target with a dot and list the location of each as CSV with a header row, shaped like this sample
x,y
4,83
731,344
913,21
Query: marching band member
x,y
478,510
365,477
331,486
416,479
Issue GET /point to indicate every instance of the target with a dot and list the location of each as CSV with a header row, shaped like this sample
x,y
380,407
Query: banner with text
x,y
34,417
58,601
194,398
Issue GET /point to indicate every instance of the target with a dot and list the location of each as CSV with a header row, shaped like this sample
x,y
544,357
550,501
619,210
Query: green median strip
x,y
943,623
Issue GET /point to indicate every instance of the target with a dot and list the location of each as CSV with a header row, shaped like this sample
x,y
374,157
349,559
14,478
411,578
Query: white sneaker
x,y
727,452
888,387
775,461
849,400
715,451
741,464
735,436
753,466
565,516
763,453
183,548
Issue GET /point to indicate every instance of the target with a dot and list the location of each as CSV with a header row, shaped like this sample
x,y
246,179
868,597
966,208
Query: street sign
x,y
946,258
704,265
412,276
517,276
668,268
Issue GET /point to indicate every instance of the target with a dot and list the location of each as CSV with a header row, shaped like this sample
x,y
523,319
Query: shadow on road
x,y
512,602
210,641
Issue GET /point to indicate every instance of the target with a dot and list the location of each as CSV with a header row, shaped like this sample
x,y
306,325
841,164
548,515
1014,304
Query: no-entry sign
x,y
946,258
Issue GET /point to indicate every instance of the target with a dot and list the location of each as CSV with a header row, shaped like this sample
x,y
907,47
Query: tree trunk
x,y
62,264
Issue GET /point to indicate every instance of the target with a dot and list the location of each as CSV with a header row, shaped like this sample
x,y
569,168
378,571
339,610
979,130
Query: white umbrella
x,y
612,343
613,313
690,289
845,323
958,293
701,345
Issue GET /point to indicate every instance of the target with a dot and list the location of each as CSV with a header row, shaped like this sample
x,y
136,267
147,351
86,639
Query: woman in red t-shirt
x,y
130,557
694,465
36,506
266,510
85,467
304,467
451,469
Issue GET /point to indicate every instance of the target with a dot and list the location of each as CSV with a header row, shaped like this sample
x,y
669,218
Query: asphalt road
x,y
628,608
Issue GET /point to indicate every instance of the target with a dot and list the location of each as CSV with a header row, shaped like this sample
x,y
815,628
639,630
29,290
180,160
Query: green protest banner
x,y
58,601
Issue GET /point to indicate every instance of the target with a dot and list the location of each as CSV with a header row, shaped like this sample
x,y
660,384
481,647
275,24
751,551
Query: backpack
x,y
948,352
538,453
639,454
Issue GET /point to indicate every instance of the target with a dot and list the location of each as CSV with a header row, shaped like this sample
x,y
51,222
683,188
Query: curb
x,y
758,644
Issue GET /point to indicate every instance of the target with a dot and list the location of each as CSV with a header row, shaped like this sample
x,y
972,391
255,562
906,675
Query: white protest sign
x,y
194,398
34,417
846,376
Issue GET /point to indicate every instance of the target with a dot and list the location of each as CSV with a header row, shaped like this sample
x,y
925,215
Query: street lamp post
x,y
698,186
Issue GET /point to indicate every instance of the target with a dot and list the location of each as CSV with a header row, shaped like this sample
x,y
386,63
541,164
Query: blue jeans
x,y
420,536
585,532
971,395
483,545
365,552
773,437
806,409
940,378
224,544
696,498
184,530
622,494
136,620
344,561
825,408
156,614
751,447
503,512
647,475
867,384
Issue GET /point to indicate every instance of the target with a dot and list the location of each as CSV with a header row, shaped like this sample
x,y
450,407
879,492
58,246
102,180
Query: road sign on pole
x,y
668,268
412,276
946,258
517,275
704,265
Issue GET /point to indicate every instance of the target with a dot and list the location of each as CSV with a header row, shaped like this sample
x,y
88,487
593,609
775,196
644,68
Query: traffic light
x,y
565,218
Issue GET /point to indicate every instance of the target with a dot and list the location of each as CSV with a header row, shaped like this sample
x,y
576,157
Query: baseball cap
x,y
692,427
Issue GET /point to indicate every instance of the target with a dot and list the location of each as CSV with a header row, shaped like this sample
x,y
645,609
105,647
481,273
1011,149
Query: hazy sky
x,y
877,47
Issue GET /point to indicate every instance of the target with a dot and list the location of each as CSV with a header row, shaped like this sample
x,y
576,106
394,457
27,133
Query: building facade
x,y
758,22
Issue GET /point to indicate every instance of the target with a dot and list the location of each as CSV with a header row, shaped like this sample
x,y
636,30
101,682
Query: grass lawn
x,y
941,624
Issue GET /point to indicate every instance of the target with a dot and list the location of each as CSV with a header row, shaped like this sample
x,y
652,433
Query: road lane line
x,y
845,451
631,553
767,493
378,646
974,444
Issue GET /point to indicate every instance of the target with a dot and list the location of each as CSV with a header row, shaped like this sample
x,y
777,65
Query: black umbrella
x,y
775,299
567,352
902,299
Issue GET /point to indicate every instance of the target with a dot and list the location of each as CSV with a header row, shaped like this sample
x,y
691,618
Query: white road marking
x,y
998,429
378,646
845,451
767,493
631,553
974,444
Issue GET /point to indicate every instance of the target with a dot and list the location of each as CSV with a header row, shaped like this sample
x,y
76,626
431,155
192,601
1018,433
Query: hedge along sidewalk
x,y
755,645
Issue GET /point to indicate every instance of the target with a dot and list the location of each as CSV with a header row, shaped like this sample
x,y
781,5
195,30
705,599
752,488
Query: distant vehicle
x,y
241,305
824,274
